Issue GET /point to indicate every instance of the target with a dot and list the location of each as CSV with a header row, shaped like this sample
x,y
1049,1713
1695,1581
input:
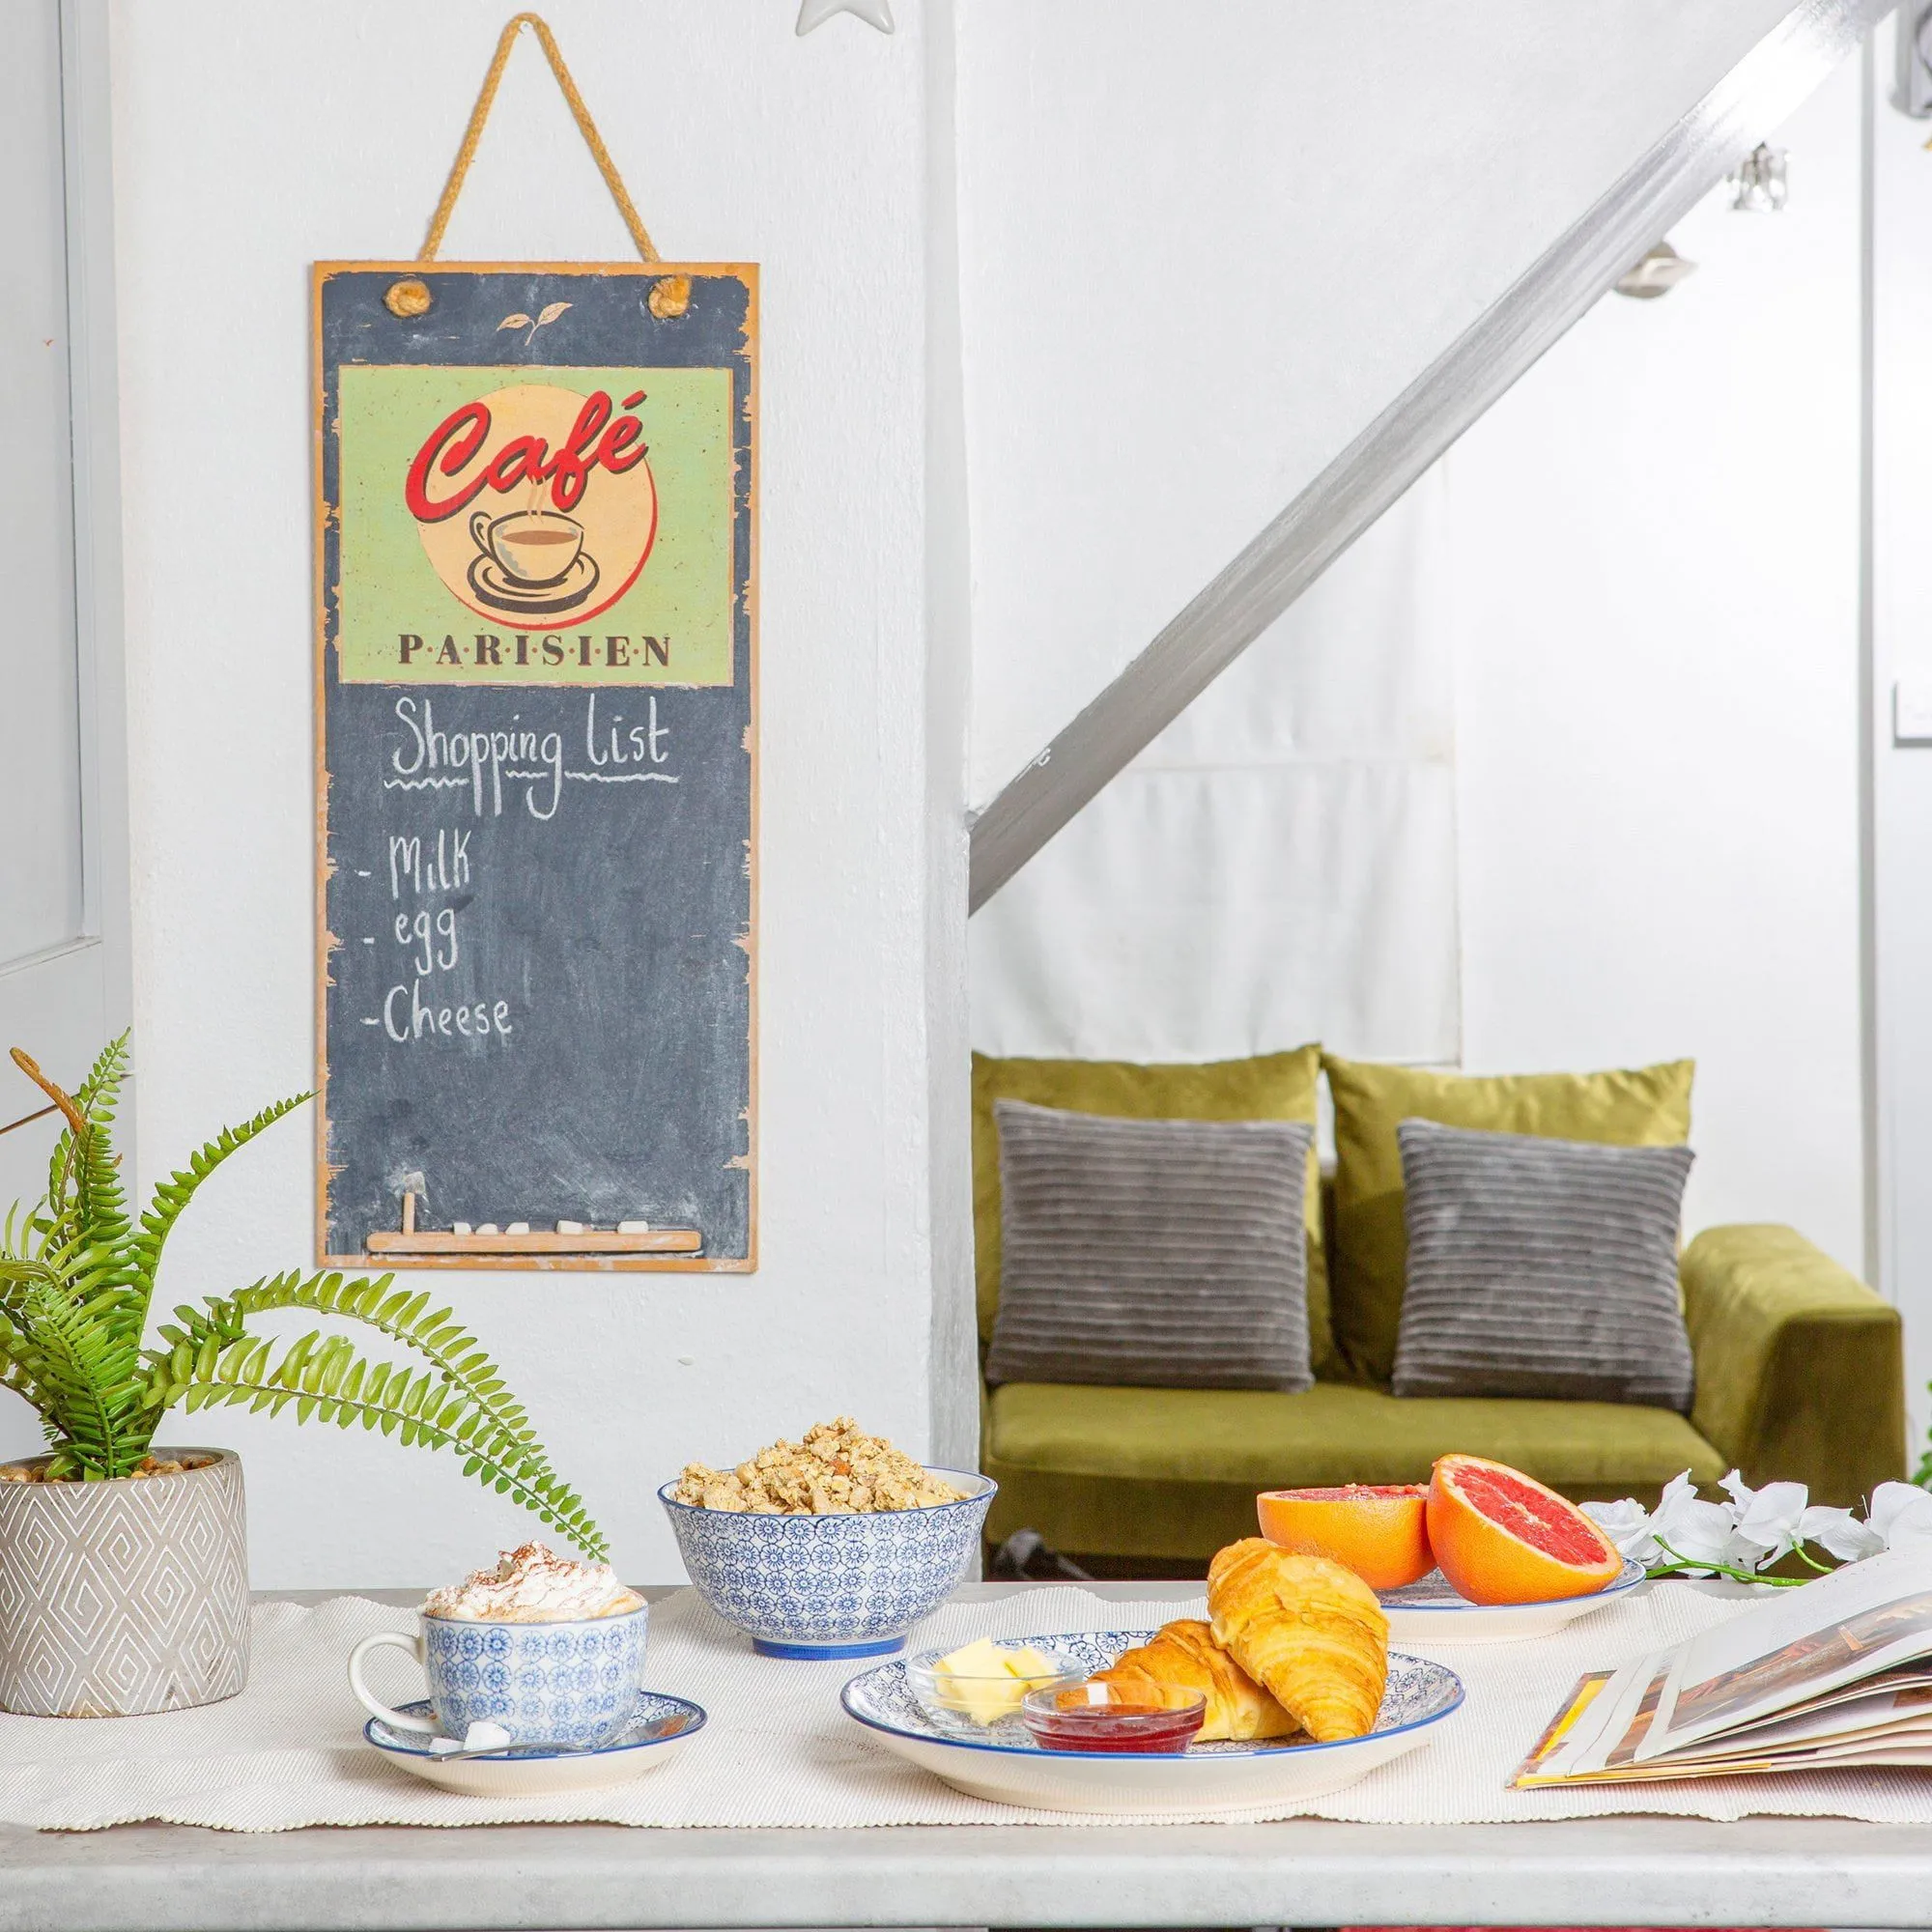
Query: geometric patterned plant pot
x,y
125,1597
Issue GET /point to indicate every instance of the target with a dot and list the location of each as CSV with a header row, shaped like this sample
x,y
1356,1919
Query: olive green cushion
x,y
1172,1473
1647,1107
1271,1087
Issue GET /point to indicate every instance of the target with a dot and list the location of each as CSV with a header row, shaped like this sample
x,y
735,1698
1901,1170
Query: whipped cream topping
x,y
534,1585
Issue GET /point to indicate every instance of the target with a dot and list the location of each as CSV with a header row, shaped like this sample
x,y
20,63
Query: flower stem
x,y
1681,1565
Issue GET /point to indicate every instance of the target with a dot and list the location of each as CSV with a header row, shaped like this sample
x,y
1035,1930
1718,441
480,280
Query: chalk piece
x,y
517,1227
489,1228
570,1226
461,1227
633,1227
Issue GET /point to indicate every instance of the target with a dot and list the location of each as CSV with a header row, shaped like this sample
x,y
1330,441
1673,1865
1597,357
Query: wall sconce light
x,y
1759,181
1656,274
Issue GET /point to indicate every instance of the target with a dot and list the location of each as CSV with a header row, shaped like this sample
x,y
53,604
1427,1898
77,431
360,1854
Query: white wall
x,y
1656,598
1206,243
252,140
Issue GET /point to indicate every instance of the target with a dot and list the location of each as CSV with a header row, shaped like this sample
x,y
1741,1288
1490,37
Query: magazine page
x,y
1848,1715
1847,1724
1796,1646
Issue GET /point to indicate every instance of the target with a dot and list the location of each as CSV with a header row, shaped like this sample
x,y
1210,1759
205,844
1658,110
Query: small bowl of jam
x,y
1097,1717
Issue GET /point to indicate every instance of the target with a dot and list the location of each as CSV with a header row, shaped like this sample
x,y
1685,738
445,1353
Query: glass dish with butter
x,y
985,1681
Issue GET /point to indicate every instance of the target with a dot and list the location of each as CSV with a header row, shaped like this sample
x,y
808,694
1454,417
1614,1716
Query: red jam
x,y
1115,1727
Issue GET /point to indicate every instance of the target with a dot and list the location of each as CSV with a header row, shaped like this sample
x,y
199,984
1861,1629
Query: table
x,y
556,1878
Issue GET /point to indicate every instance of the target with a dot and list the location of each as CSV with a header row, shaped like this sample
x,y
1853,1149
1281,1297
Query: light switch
x,y
1912,710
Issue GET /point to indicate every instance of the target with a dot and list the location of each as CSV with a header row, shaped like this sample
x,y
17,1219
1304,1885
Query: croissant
x,y
1306,1629
1185,1655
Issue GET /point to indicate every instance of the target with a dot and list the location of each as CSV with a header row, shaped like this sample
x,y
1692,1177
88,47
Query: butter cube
x,y
985,1683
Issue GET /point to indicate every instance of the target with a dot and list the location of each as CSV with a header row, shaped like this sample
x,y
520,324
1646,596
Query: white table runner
x,y
779,1750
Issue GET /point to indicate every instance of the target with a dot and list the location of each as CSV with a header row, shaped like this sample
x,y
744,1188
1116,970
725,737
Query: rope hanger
x,y
585,127
407,299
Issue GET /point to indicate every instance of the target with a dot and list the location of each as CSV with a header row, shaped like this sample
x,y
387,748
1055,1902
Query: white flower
x,y
1900,1514
1756,1527
1770,1520
1840,1532
1627,1523
1697,1533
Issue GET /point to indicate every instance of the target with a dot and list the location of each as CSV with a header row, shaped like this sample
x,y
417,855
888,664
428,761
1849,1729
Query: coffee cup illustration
x,y
532,547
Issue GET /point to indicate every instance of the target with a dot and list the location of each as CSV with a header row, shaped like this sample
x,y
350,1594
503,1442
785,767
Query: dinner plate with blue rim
x,y
1431,1611
660,1727
1005,1763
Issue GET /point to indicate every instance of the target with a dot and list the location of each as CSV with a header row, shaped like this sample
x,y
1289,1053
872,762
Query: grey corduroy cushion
x,y
1541,1268
1159,1254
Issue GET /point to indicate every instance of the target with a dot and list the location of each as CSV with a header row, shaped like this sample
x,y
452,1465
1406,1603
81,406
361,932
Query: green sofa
x,y
1800,1376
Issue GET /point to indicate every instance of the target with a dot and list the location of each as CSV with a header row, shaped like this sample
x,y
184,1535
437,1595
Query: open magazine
x,y
1836,1674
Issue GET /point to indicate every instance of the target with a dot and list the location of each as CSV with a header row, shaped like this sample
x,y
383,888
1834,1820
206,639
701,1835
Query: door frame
x,y
95,402
87,164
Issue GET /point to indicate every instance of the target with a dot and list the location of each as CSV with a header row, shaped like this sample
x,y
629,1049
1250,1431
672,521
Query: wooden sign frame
x,y
406,338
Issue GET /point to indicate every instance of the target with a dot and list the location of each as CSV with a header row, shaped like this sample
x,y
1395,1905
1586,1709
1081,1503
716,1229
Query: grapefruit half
x,y
1379,1532
1502,1538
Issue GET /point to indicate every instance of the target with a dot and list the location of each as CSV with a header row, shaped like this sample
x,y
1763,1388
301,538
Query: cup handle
x,y
480,531
373,1704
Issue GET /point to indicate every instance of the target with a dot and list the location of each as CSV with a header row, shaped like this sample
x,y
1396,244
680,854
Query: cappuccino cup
x,y
531,548
570,1685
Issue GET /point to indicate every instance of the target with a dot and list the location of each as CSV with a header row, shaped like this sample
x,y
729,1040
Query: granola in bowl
x,y
837,1470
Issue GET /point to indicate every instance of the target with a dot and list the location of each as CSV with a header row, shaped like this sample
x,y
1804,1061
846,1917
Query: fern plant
x,y
77,1276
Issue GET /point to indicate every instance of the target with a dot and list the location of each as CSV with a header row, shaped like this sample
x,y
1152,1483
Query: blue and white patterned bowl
x,y
817,1586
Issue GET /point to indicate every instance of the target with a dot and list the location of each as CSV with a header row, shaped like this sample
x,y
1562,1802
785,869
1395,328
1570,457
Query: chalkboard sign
x,y
535,658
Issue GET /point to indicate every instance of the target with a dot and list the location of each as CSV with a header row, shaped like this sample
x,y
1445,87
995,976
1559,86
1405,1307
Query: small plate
x,y
1005,1763
660,1727
1432,1612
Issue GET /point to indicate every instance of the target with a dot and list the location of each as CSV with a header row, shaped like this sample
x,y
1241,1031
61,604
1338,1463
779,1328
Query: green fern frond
x,y
104,1200
83,1179
18,1230
172,1196
18,1273
15,1373
90,1382
456,1355
102,1085
326,1380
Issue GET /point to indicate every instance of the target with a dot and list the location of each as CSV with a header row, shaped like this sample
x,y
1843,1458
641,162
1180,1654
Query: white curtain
x,y
1279,866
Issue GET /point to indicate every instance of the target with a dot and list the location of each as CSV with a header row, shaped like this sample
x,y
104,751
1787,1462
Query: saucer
x,y
1004,1761
496,587
661,1725
1432,1612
